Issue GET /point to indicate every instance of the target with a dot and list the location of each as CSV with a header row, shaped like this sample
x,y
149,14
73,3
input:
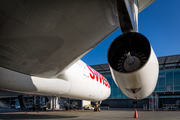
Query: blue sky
x,y
159,22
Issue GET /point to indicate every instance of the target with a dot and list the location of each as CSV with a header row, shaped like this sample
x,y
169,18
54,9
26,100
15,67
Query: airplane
x,y
42,42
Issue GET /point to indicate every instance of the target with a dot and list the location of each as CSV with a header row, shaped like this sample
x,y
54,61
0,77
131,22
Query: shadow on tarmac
x,y
19,114
33,116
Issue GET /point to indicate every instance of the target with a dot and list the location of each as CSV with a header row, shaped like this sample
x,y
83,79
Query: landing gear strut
x,y
97,108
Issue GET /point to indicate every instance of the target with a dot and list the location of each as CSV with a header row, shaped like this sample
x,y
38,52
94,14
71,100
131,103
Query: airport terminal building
x,y
167,90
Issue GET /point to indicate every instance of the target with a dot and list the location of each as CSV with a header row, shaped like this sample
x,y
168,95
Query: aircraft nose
x,y
108,93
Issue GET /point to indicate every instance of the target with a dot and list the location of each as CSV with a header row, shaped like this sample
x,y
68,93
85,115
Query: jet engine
x,y
133,64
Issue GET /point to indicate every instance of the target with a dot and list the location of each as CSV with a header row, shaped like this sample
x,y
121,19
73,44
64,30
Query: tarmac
x,y
111,114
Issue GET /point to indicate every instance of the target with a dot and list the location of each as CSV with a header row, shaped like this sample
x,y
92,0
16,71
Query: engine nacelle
x,y
133,64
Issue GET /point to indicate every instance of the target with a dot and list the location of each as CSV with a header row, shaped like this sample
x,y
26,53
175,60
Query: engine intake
x,y
133,64
133,47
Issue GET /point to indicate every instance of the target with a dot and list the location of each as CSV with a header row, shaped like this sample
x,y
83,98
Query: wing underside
x,y
43,38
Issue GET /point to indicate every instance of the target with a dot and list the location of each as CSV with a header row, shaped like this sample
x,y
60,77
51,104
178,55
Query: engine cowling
x,y
133,64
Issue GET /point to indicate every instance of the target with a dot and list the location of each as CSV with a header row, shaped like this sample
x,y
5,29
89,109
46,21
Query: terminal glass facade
x,y
168,81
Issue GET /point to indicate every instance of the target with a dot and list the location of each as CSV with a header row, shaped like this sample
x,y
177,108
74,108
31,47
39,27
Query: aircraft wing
x,y
142,4
43,38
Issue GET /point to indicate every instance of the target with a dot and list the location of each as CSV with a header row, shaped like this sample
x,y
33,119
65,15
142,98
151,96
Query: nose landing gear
x,y
97,108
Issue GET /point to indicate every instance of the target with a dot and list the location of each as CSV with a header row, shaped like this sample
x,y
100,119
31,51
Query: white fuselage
x,y
79,81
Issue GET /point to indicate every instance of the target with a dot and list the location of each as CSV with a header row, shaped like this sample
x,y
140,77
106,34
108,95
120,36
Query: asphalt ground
x,y
111,114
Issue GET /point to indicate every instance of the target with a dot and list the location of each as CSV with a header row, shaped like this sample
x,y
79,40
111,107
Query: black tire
x,y
96,109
